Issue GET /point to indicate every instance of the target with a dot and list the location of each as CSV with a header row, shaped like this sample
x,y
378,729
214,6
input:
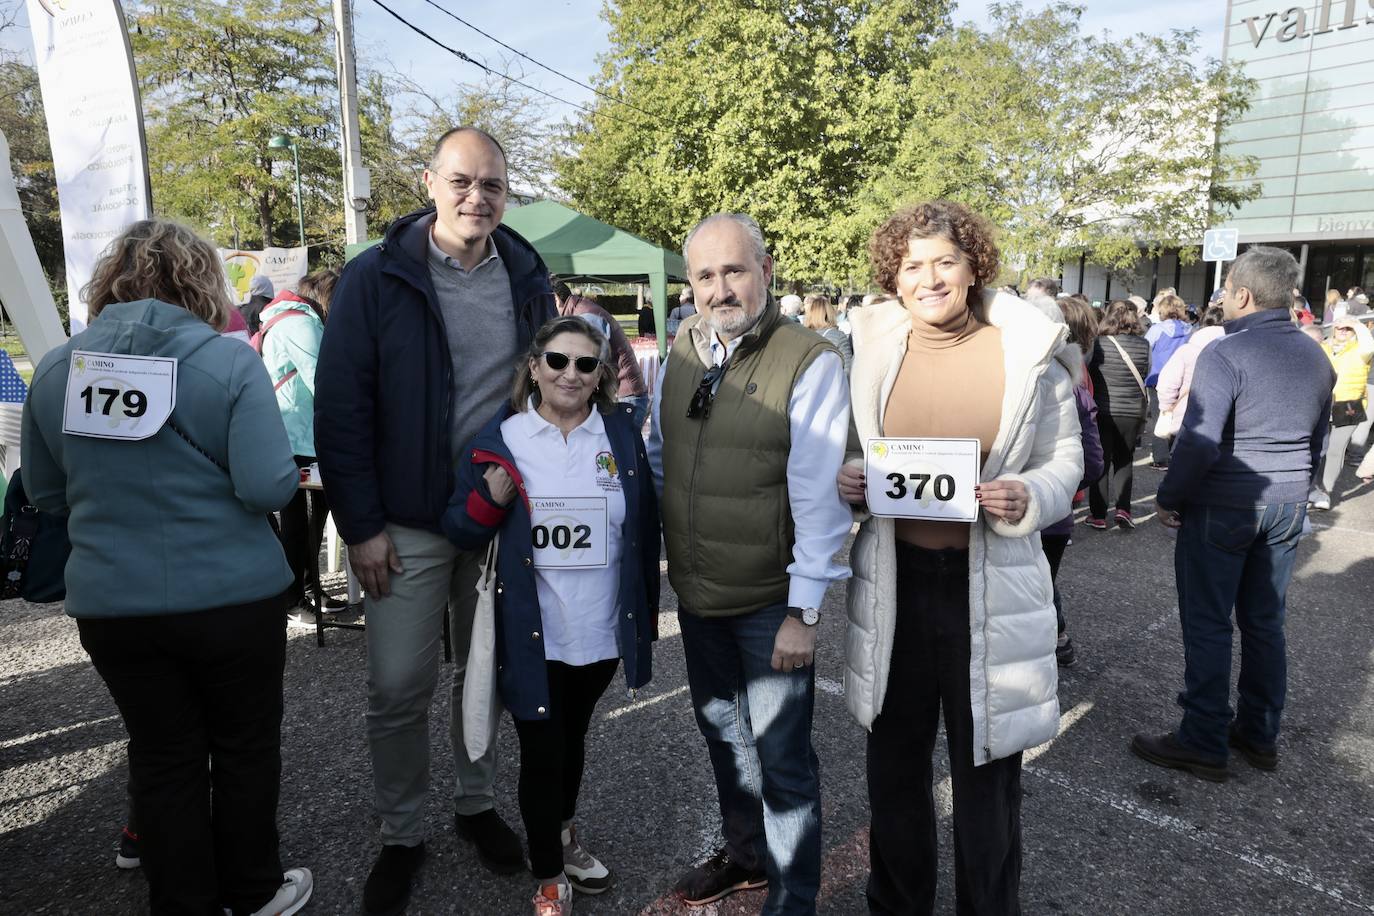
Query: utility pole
x,y
357,179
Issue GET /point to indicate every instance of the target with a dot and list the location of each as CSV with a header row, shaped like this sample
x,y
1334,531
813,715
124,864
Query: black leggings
x,y
1053,545
298,542
551,758
1118,448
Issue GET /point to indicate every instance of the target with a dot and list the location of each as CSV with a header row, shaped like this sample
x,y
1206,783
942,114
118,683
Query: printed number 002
x,y
561,537
942,486
135,401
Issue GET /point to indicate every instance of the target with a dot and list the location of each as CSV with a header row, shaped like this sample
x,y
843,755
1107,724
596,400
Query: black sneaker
x,y
497,845
1064,653
127,856
388,884
1254,754
1165,751
715,878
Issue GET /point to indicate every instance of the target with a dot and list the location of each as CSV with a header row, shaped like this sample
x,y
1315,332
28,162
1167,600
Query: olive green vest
x,y
727,521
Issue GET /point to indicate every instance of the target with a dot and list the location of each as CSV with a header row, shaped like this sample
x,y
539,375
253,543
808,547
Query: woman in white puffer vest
x,y
948,614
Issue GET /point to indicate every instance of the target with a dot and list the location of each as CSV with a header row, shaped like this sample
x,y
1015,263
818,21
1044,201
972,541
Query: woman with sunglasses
x,y
561,475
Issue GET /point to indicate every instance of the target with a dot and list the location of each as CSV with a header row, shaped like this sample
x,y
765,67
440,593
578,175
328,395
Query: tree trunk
x,y
265,217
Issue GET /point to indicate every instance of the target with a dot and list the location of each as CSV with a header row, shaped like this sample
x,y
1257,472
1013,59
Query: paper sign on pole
x,y
95,127
283,266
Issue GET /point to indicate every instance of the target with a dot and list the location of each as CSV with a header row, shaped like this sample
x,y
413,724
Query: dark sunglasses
x,y
559,361
700,406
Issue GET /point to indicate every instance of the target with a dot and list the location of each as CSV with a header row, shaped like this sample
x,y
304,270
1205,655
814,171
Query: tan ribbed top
x,y
950,385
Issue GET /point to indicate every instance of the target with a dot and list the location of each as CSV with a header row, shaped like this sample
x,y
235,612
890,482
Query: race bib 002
x,y
112,396
568,532
922,478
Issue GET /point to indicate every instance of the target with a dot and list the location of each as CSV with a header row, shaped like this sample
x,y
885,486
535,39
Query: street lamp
x,y
282,141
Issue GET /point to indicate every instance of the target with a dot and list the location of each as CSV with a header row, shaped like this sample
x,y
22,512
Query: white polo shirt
x,y
578,604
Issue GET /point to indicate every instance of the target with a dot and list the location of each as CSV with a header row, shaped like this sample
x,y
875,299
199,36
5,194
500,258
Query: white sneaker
x,y
584,870
302,618
1320,500
292,895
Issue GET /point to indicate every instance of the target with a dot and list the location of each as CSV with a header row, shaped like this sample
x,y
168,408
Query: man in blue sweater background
x,y
1236,491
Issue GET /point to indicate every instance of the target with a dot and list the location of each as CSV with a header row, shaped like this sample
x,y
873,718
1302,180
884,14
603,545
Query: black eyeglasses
x,y
700,407
559,361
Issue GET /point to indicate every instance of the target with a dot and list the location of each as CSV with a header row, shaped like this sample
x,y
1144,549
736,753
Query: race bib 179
x,y
110,396
568,532
922,478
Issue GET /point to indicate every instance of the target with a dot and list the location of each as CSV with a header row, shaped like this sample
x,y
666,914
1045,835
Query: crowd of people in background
x,y
457,399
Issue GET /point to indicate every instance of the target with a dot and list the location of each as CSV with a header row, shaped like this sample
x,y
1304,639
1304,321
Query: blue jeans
x,y
1241,558
757,726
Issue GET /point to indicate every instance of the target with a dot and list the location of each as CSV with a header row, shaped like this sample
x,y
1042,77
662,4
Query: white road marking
x,y
644,704
832,687
1066,721
39,736
1196,833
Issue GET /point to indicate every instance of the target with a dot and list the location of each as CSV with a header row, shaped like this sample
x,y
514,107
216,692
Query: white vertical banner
x,y
283,266
95,126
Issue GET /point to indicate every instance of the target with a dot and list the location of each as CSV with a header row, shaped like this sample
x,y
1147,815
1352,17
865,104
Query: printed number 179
x,y
135,402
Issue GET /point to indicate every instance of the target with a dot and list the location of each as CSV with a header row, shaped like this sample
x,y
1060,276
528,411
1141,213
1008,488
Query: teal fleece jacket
x,y
156,527
293,345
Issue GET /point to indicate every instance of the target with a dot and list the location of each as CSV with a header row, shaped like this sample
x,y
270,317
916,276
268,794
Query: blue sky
x,y
569,34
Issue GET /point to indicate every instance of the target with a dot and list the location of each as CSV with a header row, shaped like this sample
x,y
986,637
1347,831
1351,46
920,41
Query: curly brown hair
x,y
1120,317
966,230
160,259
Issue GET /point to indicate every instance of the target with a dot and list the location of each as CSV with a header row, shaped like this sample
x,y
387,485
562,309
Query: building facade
x,y
1310,125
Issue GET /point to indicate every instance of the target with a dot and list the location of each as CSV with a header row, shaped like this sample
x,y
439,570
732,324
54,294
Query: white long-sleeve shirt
x,y
818,413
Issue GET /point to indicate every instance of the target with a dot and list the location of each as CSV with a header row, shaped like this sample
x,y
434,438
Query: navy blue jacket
x,y
472,520
1256,423
384,383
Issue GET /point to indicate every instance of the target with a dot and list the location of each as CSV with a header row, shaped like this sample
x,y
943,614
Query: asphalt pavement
x,y
1104,833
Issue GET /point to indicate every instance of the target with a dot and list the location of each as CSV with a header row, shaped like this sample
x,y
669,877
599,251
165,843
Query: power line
x,y
497,73
605,95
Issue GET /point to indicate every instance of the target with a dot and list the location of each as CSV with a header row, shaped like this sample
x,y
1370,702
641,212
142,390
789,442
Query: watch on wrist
x,y
807,615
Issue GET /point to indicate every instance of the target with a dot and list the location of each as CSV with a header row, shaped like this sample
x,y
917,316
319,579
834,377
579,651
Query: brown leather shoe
x,y
1165,751
715,878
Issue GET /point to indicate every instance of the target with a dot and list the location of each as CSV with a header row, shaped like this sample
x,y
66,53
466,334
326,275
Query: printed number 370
x,y
135,402
942,486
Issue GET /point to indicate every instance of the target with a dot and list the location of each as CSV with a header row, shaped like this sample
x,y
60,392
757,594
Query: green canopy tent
x,y
576,247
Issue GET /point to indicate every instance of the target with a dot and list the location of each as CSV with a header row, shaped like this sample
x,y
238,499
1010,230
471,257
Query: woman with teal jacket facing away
x,y
292,327
162,443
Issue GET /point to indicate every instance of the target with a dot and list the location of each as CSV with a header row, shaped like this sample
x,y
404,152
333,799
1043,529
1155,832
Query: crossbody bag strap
x,y
191,442
1129,365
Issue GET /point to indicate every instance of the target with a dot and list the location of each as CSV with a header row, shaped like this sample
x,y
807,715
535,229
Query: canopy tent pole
x,y
658,285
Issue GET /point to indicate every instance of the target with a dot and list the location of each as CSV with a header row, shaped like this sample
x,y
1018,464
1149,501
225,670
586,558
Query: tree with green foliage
x,y
1070,144
26,129
821,119
780,111
219,80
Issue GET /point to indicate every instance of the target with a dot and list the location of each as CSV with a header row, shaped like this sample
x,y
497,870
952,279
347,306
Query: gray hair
x,y
1268,273
751,228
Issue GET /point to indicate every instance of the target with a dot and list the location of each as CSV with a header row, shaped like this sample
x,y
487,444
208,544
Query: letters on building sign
x,y
1292,22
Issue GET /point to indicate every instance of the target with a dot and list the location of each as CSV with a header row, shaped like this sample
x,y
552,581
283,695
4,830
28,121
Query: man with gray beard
x,y
749,425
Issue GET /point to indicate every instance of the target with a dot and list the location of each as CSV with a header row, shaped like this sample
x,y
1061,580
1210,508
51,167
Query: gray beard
x,y
745,326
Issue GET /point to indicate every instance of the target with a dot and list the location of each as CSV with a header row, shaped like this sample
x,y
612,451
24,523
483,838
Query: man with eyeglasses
x,y
416,357
748,434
